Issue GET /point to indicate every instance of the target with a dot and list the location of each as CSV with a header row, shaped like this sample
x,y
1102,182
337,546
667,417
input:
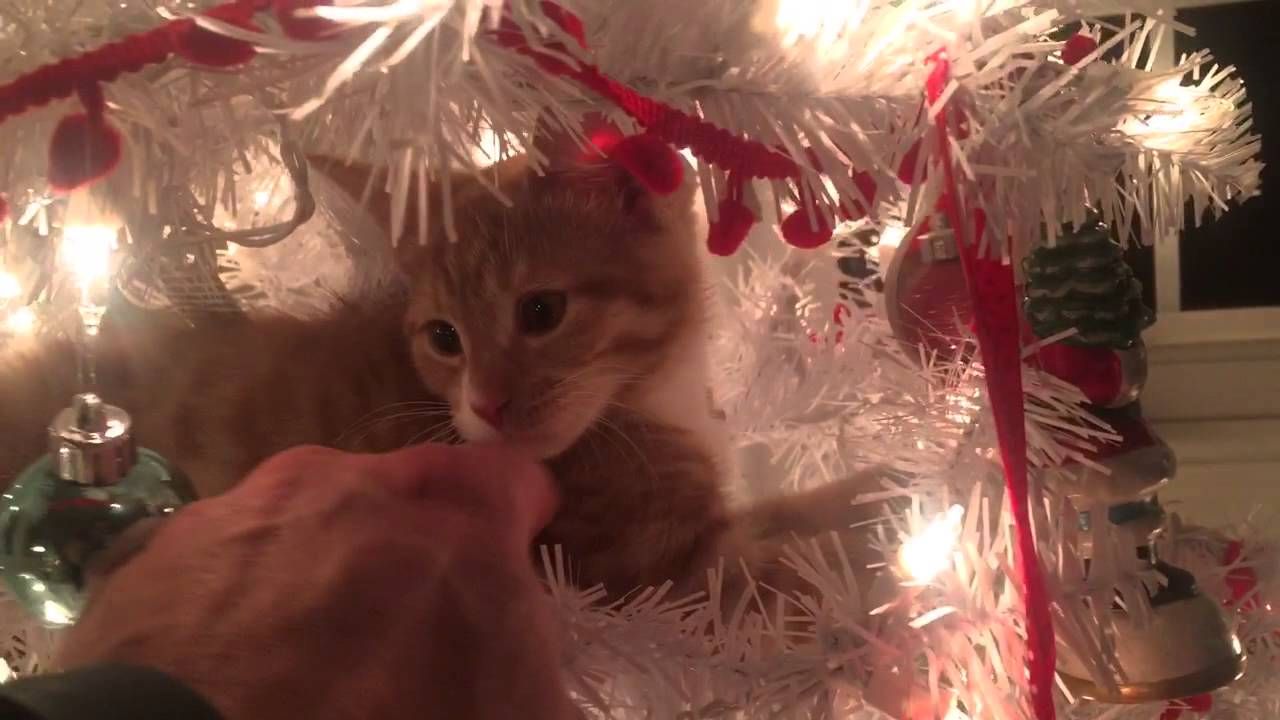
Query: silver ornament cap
x,y
92,442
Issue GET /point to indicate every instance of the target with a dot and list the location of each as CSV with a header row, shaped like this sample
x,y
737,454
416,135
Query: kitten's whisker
x,y
432,433
606,424
372,414
371,426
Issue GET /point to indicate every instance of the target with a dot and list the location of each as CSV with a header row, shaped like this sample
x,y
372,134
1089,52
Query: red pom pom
x,y
1077,48
651,161
865,182
907,168
1196,703
303,27
731,227
1098,372
1241,581
799,232
205,47
81,151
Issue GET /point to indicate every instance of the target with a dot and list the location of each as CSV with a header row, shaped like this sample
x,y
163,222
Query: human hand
x,y
329,585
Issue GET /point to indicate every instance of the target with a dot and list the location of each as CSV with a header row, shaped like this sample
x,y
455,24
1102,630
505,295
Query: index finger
x,y
499,478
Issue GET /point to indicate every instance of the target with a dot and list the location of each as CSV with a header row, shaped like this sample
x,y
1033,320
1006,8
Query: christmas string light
x,y
1178,117
22,321
10,288
926,554
90,235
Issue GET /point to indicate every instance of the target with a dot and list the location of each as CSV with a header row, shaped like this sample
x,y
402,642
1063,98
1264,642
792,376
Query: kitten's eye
x,y
541,312
444,338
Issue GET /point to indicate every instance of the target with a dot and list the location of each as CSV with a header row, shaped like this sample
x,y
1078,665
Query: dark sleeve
x,y
103,692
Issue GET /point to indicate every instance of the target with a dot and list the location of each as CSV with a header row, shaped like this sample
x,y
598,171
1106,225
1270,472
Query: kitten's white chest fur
x,y
678,396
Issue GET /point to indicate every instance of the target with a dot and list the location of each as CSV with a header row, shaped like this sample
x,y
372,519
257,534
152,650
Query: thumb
x,y
536,500
525,487
498,478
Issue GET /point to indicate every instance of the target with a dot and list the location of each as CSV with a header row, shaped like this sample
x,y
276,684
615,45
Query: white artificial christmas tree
x,y
893,117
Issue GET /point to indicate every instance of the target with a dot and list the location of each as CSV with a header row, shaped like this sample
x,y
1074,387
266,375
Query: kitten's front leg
x,y
831,513
641,504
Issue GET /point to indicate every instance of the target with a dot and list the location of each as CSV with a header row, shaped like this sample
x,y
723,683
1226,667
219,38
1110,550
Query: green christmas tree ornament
x,y
1083,282
72,503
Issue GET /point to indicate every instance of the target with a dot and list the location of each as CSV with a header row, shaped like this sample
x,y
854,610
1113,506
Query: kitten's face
x,y
546,313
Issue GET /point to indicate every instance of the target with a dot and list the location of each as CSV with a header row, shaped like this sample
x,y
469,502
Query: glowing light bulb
x,y
86,252
88,237
260,199
10,288
824,21
928,553
488,148
1176,116
21,321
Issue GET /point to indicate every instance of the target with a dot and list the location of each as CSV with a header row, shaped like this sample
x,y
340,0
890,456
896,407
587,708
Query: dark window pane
x,y
1235,261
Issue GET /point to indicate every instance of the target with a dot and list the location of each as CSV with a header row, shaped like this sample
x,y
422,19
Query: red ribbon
x,y
996,322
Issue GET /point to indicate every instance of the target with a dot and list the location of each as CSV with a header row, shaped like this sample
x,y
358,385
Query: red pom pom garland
x,y
84,147
205,47
1077,48
731,227
804,230
650,161
860,205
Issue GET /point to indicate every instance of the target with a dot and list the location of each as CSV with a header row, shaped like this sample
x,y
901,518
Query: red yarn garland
x,y
205,47
738,156
84,147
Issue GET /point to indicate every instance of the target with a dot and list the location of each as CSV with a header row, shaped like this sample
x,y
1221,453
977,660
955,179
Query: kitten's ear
x,y
363,184
366,187
640,171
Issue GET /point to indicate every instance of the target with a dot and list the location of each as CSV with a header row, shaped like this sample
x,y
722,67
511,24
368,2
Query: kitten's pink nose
x,y
490,411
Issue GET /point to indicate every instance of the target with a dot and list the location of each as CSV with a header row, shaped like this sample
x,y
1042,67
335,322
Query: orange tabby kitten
x,y
571,322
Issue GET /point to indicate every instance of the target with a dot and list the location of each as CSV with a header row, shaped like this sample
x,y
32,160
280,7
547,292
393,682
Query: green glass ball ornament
x,y
72,503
